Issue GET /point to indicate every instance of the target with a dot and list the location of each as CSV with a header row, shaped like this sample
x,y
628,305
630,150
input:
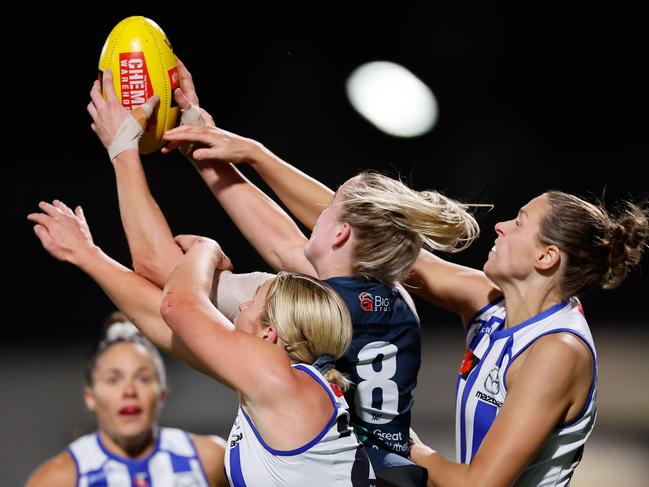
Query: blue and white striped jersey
x,y
173,462
482,389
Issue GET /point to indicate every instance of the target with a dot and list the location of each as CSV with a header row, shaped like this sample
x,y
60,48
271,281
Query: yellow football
x,y
143,63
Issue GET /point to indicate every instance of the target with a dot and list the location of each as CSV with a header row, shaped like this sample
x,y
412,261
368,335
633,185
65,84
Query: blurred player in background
x,y
125,389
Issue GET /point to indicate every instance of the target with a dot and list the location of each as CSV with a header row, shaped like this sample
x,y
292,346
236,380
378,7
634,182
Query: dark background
x,y
529,100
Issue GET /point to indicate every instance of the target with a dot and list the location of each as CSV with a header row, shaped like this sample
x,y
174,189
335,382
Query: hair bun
x,y
121,330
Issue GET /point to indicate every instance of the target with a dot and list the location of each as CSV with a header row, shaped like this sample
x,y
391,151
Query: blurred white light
x,y
392,98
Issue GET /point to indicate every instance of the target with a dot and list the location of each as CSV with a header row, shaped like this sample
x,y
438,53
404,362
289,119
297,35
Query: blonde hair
x,y
311,320
391,222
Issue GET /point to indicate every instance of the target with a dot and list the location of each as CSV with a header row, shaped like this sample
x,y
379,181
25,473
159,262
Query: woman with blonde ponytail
x,y
312,323
365,240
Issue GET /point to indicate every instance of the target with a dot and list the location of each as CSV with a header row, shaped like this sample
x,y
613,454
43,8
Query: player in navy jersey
x,y
125,389
526,390
366,239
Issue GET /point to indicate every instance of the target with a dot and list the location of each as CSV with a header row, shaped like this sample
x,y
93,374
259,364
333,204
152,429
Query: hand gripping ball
x,y
143,63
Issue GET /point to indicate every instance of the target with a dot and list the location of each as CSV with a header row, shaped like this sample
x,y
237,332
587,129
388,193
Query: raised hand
x,y
215,143
187,242
191,113
64,233
186,94
109,117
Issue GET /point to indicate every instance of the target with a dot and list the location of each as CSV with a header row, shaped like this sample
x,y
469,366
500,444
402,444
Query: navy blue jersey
x,y
382,361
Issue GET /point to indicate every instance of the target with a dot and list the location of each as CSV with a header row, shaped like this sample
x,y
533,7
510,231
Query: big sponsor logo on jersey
x,y
235,438
236,435
371,303
492,382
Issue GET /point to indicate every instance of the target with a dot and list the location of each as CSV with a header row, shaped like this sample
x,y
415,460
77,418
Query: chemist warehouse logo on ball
x,y
373,303
134,79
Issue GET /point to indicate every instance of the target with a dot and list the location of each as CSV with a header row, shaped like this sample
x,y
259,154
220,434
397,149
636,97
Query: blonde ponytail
x,y
391,222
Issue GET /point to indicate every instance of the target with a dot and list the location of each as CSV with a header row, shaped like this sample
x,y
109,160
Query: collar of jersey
x,y
130,461
542,315
354,280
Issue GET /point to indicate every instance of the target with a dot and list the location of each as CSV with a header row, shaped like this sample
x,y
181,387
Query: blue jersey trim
x,y
76,465
543,314
483,419
128,461
314,441
484,308
467,389
180,464
351,280
102,482
236,473
595,369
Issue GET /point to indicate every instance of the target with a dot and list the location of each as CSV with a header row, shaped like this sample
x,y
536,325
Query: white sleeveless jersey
x,y
333,458
481,388
174,462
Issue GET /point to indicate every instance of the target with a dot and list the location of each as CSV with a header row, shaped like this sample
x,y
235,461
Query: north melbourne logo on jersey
x,y
373,303
141,480
492,382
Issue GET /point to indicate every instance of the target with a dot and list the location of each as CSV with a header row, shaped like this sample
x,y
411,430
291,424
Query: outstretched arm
x,y
66,236
266,225
268,228
304,196
150,240
453,287
456,288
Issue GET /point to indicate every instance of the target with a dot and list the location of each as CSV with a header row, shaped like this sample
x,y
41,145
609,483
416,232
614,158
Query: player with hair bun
x,y
126,387
526,390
